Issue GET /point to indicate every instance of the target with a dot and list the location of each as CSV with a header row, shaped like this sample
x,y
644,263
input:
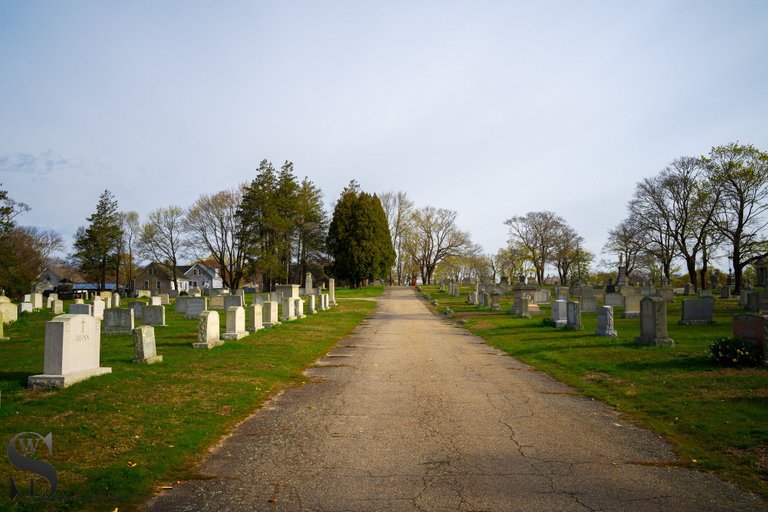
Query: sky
x,y
489,108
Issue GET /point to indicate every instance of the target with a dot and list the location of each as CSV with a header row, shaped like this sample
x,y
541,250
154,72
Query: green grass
x,y
716,417
118,436
359,293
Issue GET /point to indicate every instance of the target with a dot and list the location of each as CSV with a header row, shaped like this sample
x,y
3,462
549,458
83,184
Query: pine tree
x,y
95,245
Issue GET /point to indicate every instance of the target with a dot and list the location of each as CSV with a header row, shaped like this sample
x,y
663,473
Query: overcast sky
x,y
492,109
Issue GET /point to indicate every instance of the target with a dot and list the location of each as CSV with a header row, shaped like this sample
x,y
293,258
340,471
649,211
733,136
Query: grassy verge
x,y
118,436
359,293
716,417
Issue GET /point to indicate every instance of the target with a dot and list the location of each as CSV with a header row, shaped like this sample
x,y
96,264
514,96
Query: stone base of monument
x,y
606,332
640,340
209,345
234,335
149,360
63,381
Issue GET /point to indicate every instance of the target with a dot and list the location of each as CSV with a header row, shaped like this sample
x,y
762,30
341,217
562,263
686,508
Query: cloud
x,y
44,162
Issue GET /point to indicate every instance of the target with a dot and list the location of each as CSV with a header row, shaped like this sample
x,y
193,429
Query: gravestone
x,y
495,302
115,300
559,313
118,321
49,301
743,296
107,301
72,344
235,324
2,323
269,314
331,292
253,318
216,302
754,328
308,283
27,298
233,301
194,306
725,292
137,307
36,299
653,322
57,306
144,348
754,302
520,306
687,289
298,308
181,304
667,293
588,304
697,311
80,309
165,299
311,309
573,316
632,306
288,290
26,307
9,310
208,330
98,308
79,301
605,325
155,301
610,287
153,315
287,312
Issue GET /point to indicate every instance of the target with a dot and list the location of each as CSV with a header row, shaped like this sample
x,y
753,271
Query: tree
x,y
95,244
131,229
628,241
311,228
9,210
536,233
215,230
741,173
398,209
163,238
650,209
435,238
359,238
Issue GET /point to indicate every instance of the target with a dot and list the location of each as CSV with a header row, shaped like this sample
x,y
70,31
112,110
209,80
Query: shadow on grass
x,y
19,378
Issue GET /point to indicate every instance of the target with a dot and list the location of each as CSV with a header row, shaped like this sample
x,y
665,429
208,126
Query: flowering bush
x,y
734,352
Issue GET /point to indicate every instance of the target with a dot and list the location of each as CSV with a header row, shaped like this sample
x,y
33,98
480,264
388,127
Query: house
x,y
202,276
158,278
52,277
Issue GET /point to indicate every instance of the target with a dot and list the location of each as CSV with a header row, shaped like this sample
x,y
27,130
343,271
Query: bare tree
x,y
740,215
163,239
536,233
398,209
569,255
131,229
651,210
214,229
628,241
435,237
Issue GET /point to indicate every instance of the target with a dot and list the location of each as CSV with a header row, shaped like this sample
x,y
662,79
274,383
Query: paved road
x,y
411,414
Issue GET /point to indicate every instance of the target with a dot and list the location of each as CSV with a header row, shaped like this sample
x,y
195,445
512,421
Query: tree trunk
x,y
690,263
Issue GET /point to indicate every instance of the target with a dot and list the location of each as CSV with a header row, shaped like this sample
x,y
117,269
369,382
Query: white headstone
x,y
253,318
57,306
98,308
155,301
331,292
208,330
559,313
311,310
2,336
72,344
115,300
308,284
25,307
298,308
9,310
165,299
235,323
287,310
269,314
37,300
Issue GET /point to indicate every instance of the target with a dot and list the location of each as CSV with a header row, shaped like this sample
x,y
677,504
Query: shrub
x,y
734,352
548,322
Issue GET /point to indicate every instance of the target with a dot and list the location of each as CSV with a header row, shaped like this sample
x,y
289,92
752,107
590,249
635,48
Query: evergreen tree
x,y
95,244
358,237
311,228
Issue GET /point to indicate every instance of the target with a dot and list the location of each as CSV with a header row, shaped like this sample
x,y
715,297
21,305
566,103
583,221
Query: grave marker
x,y
118,321
144,348
653,322
573,316
72,344
697,311
235,324
194,306
632,306
208,330
269,314
254,318
80,309
605,322
559,313
153,315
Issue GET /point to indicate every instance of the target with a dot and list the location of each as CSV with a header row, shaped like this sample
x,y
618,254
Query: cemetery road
x,y
412,413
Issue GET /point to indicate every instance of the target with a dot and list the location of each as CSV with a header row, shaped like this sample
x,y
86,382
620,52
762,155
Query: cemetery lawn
x,y
359,293
117,438
716,417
